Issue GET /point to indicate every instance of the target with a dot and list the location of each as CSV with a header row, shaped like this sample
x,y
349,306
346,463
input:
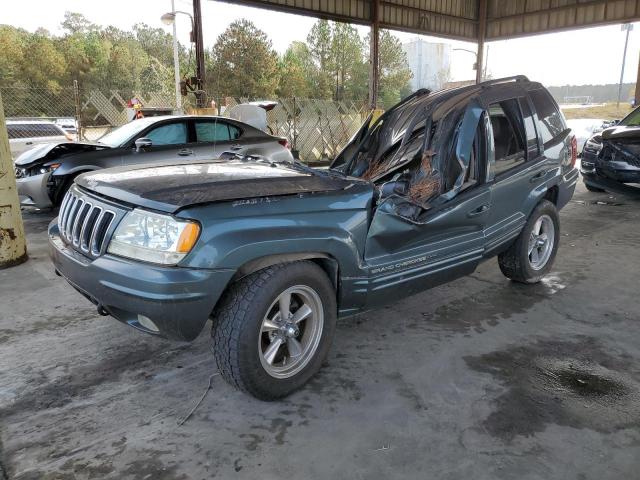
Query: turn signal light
x,y
188,238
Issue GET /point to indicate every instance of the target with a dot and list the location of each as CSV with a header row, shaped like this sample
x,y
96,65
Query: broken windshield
x,y
415,150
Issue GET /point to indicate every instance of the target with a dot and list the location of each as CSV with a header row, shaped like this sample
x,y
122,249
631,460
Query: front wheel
x,y
532,254
273,329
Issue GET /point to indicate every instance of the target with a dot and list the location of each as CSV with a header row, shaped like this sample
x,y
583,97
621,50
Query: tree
x,y
319,42
394,70
12,43
243,62
155,42
347,52
43,64
294,66
77,23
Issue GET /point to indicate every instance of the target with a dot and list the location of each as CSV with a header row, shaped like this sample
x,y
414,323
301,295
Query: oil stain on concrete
x,y
579,384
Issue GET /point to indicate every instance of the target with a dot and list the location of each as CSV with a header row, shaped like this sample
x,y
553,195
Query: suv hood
x,y
621,133
46,152
171,187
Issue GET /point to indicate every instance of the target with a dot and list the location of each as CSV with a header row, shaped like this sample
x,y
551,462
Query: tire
x,y
66,185
591,188
255,351
521,266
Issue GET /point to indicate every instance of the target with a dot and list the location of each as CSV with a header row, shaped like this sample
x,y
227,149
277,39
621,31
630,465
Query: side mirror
x,y
142,143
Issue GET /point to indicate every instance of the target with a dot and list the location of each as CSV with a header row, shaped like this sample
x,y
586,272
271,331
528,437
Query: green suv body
x,y
274,253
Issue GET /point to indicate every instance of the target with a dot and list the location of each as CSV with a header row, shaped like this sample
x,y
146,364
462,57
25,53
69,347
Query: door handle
x,y
237,146
28,143
185,152
478,211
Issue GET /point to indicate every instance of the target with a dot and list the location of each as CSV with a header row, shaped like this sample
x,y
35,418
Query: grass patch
x,y
608,111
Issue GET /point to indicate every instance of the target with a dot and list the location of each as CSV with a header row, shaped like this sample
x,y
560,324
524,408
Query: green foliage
x,y
294,67
332,64
394,70
243,62
98,58
335,64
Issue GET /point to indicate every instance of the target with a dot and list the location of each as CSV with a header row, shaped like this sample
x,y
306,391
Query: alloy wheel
x,y
290,332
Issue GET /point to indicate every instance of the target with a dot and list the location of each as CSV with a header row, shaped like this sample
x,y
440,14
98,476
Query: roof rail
x,y
514,78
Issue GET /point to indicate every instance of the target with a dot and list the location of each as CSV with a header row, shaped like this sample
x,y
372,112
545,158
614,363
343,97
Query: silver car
x,y
25,134
46,172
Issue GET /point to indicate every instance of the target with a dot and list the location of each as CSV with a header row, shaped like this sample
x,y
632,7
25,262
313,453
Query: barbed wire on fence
x,y
316,128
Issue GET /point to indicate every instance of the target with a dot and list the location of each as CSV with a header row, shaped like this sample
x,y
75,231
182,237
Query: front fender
x,y
239,235
65,169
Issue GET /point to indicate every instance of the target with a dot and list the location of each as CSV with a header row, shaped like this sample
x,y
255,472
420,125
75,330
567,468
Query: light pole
x,y
170,19
628,27
475,64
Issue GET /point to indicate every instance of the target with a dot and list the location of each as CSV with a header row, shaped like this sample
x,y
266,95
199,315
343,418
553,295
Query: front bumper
x,y
594,179
33,191
177,300
610,176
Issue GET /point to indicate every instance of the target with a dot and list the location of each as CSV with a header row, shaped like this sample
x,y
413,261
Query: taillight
x,y
574,151
285,143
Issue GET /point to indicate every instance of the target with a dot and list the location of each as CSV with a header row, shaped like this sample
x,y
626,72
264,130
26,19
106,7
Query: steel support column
x,y
374,60
482,33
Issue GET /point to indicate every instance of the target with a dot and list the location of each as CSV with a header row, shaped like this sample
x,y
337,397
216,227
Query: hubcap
x,y
290,332
541,242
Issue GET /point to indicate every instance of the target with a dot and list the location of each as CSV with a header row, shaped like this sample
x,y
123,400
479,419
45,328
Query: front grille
x,y
84,223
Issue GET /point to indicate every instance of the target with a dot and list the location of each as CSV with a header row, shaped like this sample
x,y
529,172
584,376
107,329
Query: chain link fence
x,y
316,129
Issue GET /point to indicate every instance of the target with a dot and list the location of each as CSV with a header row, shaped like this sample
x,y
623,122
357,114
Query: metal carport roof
x,y
461,19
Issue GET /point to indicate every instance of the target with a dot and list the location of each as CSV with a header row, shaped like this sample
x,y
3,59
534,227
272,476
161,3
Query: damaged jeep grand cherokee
x,y
275,252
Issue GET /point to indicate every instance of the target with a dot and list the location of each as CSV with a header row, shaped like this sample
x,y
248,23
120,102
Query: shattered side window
x,y
508,135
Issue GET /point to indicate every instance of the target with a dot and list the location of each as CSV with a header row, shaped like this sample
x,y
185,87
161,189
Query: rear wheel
x,y
273,329
532,254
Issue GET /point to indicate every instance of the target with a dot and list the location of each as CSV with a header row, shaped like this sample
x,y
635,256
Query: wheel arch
x,y
325,261
552,194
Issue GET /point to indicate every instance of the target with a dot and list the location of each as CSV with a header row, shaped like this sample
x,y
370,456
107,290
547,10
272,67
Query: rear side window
x,y
551,123
215,132
529,129
508,135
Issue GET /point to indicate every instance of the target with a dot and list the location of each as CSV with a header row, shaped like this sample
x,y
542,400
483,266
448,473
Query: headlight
x,y
593,144
152,237
49,168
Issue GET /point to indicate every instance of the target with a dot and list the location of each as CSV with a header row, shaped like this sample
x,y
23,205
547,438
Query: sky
x,y
587,56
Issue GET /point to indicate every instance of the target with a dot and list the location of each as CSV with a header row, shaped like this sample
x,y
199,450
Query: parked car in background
x,y
45,173
275,252
611,158
253,113
25,134
584,128
69,125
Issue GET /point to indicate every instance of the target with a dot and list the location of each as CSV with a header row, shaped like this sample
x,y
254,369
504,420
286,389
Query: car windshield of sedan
x,y
119,136
632,120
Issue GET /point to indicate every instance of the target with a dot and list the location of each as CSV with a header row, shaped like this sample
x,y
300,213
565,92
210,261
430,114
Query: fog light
x,y
147,323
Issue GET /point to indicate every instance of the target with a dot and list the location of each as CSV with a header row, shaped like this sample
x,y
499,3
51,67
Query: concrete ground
x,y
481,378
